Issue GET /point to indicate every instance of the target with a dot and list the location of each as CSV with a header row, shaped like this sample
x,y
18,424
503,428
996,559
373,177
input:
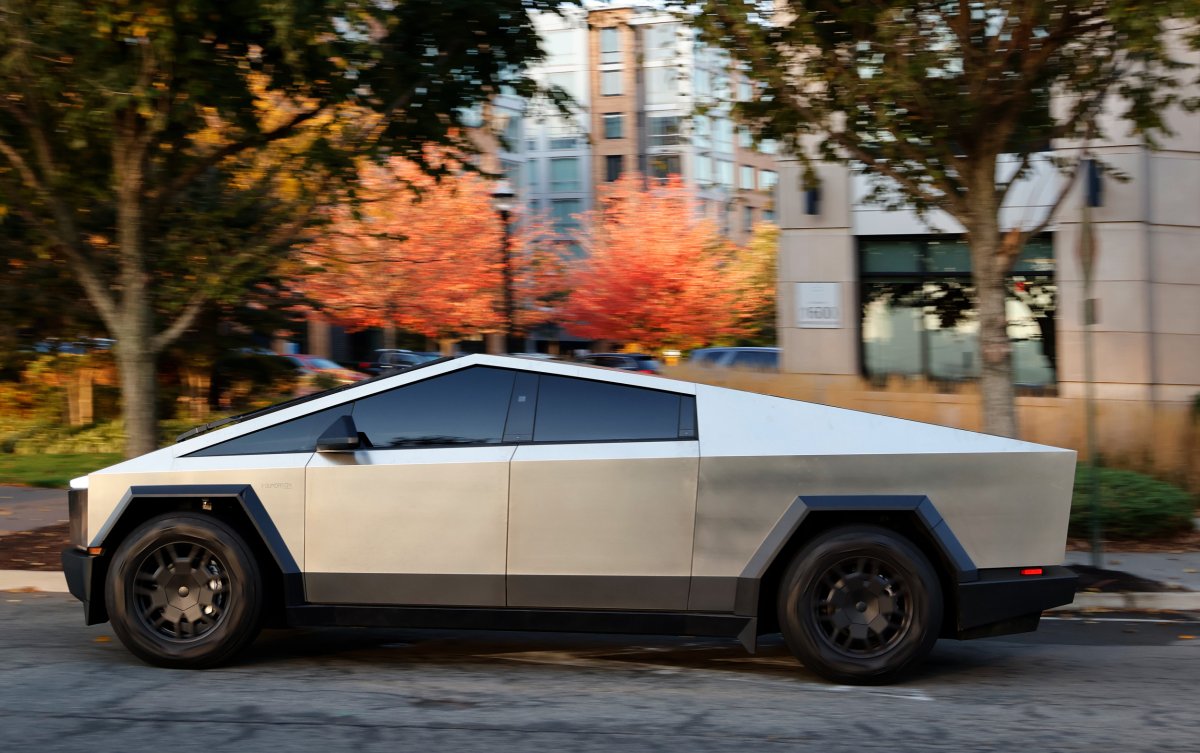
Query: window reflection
x,y
919,316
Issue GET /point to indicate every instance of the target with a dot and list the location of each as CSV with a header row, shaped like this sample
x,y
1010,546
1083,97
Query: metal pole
x,y
506,252
1087,253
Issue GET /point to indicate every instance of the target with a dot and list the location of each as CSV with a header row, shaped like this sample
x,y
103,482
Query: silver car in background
x,y
518,494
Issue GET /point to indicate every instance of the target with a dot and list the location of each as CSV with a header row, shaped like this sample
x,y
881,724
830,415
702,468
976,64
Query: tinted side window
x,y
756,359
459,408
297,435
578,410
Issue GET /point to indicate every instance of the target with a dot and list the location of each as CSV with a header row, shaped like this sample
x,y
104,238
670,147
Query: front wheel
x,y
184,590
860,605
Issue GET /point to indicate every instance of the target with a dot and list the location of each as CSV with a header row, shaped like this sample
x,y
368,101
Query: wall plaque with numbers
x,y
818,305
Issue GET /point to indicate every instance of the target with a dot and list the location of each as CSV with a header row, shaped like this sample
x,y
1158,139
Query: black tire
x,y
860,605
185,591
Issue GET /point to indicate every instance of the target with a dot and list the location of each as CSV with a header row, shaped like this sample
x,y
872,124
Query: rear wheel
x,y
860,604
184,590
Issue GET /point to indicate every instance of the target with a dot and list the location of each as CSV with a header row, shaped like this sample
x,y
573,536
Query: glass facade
x,y
918,310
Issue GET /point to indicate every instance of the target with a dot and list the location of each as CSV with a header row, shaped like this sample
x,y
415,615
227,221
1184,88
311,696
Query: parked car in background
x,y
759,359
639,362
391,359
315,366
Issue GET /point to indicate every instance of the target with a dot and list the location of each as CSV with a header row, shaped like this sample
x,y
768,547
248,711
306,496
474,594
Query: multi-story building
x,y
648,98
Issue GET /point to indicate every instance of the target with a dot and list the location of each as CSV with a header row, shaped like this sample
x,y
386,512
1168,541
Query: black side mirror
x,y
341,436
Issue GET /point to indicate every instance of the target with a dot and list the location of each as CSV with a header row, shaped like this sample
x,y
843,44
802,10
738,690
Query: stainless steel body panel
x,y
410,526
605,525
278,480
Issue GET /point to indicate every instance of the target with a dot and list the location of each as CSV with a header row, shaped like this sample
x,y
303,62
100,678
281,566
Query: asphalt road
x,y
1074,686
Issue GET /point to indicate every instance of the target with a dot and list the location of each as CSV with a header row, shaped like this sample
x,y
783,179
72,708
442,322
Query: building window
x,y
561,47
531,175
610,83
746,178
744,139
660,41
563,134
747,219
768,146
610,45
769,214
767,179
664,131
725,173
613,165
723,134
564,174
919,317
702,132
569,81
662,85
704,170
613,125
701,82
562,214
663,165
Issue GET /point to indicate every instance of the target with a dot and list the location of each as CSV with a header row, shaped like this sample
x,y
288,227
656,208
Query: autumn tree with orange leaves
x,y
654,271
424,255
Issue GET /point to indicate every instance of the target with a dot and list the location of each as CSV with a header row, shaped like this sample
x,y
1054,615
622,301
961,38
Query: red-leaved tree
x,y
654,271
426,256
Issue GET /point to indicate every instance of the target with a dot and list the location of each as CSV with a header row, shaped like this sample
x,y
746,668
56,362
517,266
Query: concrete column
x,y
817,248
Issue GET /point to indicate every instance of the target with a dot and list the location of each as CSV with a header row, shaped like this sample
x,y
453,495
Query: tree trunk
x,y
990,270
138,393
136,356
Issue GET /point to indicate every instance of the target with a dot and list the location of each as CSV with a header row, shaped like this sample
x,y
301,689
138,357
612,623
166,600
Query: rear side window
x,y
756,359
579,410
297,435
460,408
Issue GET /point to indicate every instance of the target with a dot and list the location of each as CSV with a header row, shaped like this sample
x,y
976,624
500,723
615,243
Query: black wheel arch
x,y
236,505
913,516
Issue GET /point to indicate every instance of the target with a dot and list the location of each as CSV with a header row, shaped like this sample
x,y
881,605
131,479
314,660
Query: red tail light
x,y
645,371
364,365
1031,571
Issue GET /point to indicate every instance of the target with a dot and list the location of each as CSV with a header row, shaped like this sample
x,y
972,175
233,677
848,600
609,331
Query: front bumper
x,y
85,580
1002,601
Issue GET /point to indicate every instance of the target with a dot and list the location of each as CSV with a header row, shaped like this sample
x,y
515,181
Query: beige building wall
x,y
1147,274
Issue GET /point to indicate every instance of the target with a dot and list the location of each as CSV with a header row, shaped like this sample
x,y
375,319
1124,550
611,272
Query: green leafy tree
x,y
169,153
925,97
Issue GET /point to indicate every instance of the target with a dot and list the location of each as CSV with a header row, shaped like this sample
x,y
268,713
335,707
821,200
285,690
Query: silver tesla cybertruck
x,y
517,494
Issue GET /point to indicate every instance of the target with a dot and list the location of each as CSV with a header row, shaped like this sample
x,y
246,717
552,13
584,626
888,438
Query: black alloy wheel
x,y
184,590
863,606
860,604
181,590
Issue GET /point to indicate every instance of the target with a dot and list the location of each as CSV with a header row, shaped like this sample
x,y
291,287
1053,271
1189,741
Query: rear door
x,y
603,498
420,517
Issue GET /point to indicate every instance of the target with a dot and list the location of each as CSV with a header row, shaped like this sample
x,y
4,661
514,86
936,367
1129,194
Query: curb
x,y
33,580
1134,601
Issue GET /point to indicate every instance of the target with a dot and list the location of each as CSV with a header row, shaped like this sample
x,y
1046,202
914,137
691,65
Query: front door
x,y
421,516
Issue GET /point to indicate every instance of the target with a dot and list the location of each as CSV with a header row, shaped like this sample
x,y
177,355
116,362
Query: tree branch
x,y
68,240
181,181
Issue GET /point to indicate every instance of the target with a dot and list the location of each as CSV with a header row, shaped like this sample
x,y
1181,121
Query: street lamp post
x,y
502,199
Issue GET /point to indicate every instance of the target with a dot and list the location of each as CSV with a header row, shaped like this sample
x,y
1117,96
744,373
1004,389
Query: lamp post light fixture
x,y
503,200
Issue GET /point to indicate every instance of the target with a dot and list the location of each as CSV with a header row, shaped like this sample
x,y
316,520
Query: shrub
x,y
1132,506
